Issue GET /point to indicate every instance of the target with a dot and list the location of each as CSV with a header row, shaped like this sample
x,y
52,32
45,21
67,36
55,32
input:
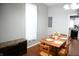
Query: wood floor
x,y
73,49
33,51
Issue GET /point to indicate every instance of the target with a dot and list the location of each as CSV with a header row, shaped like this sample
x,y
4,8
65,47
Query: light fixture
x,y
72,6
66,7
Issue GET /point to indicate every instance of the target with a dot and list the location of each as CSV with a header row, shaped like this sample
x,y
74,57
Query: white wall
x,y
12,22
0,22
42,22
60,18
12,17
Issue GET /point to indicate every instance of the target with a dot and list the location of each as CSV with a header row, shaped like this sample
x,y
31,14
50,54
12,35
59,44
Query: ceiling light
x,y
66,7
72,6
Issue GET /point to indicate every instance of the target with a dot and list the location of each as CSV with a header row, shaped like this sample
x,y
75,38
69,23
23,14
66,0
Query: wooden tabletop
x,y
56,43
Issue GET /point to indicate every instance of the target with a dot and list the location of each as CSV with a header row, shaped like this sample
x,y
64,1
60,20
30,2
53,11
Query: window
x,y
31,22
71,23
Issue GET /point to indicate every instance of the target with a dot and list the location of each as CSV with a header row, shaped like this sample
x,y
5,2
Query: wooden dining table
x,y
56,43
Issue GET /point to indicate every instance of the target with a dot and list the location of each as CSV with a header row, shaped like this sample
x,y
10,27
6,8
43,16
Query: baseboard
x,y
33,45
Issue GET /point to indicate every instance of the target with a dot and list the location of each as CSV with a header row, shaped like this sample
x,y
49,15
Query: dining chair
x,y
64,50
46,50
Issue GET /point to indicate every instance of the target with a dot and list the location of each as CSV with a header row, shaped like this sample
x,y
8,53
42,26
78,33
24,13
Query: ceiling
x,y
52,4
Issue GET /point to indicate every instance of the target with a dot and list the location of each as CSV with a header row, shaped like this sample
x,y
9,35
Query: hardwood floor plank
x,y
33,51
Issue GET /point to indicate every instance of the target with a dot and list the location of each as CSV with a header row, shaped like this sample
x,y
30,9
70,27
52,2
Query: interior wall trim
x,y
33,45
